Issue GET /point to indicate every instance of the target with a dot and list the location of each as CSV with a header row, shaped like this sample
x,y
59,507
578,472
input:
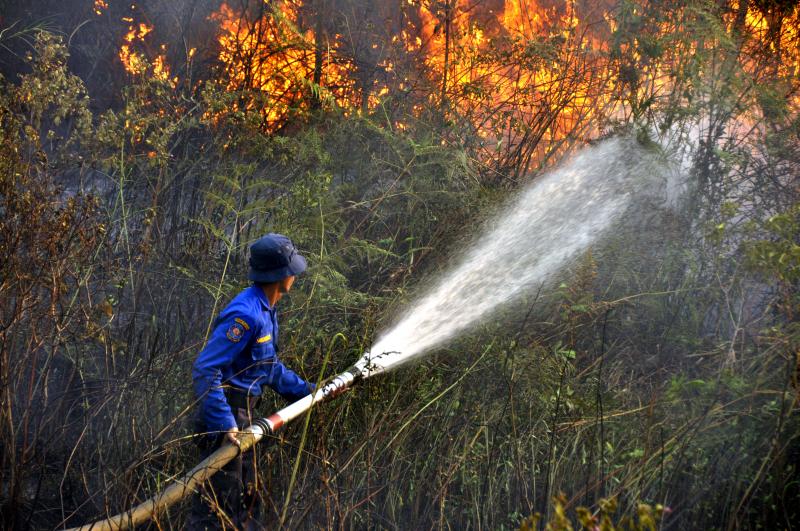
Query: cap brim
x,y
298,264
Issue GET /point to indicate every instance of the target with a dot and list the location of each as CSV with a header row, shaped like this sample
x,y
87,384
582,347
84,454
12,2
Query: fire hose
x,y
248,437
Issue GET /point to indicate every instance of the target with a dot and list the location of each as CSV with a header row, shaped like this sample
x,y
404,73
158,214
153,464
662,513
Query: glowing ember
x,y
99,7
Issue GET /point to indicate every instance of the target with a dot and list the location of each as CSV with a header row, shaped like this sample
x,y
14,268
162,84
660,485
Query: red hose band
x,y
275,421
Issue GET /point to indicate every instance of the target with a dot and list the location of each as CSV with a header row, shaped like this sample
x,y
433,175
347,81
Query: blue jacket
x,y
241,354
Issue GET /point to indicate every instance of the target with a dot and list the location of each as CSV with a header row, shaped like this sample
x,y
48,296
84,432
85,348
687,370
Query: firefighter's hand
x,y
230,436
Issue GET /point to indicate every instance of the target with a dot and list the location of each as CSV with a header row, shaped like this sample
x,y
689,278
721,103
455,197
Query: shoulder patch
x,y
264,339
243,323
235,332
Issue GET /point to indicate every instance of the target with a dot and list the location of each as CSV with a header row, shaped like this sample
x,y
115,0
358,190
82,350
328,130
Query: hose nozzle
x,y
334,387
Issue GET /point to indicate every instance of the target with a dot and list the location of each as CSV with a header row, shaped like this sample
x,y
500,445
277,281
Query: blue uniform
x,y
241,354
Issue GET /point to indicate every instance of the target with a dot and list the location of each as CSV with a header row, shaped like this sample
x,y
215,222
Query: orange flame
x,y
275,57
136,62
522,71
537,72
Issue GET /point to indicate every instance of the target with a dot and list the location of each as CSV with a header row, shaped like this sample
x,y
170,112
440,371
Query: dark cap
x,y
273,258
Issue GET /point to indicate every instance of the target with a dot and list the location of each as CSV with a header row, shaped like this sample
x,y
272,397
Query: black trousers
x,y
230,498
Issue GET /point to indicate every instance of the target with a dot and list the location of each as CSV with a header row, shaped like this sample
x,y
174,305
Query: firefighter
x,y
229,375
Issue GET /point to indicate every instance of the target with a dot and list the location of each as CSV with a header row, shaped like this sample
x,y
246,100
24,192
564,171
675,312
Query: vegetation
x,y
655,387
